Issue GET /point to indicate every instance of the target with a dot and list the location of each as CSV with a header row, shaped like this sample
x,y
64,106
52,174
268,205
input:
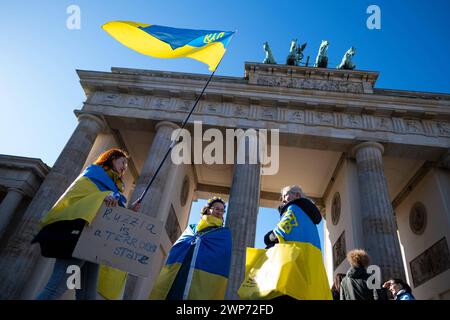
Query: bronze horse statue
x,y
295,53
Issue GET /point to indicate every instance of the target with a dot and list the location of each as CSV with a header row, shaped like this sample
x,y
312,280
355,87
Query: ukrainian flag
x,y
197,267
207,46
294,267
84,197
82,200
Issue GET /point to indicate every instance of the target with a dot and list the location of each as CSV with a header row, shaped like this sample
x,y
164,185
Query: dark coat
x,y
354,286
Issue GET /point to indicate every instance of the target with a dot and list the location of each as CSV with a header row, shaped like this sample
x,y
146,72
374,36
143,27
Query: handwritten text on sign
x,y
122,239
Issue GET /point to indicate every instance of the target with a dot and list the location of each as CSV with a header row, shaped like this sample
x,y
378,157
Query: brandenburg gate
x,y
376,162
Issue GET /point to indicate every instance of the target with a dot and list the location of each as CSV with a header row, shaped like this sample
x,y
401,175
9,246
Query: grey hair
x,y
295,188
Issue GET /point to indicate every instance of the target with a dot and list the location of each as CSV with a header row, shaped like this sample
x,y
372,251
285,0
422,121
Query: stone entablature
x,y
22,173
388,116
405,104
310,78
344,120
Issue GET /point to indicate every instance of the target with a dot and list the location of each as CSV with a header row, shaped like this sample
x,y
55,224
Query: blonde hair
x,y
358,258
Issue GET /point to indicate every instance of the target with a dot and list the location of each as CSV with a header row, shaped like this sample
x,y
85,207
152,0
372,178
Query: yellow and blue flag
x,y
84,197
197,267
82,200
294,267
207,46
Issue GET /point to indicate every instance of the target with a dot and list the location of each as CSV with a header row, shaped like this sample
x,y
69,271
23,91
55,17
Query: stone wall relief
x,y
136,101
268,113
110,98
382,123
160,103
184,105
353,121
324,118
315,84
442,128
296,115
212,107
413,126
240,111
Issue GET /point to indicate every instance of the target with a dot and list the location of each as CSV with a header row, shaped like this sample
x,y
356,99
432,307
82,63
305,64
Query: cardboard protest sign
x,y
122,239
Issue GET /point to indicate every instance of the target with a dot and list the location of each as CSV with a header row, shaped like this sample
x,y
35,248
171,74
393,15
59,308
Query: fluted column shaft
x,y
18,257
241,218
379,225
9,206
150,203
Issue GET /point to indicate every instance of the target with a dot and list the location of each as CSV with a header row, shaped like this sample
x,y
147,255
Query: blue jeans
x,y
57,284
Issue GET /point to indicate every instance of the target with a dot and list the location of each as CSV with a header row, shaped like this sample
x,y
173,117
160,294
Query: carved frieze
x,y
432,262
110,98
240,111
324,118
135,101
413,126
353,121
316,84
339,251
383,124
296,116
212,108
267,113
160,103
184,105
442,128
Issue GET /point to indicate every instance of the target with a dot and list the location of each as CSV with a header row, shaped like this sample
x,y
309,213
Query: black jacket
x,y
303,203
354,286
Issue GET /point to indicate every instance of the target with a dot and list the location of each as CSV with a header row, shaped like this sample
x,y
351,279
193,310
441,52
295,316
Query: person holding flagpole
x,y
207,46
100,183
191,271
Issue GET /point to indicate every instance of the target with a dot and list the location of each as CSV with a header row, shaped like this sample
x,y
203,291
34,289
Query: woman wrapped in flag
x,y
292,267
61,227
198,264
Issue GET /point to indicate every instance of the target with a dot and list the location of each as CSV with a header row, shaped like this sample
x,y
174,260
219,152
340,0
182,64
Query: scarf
x,y
208,220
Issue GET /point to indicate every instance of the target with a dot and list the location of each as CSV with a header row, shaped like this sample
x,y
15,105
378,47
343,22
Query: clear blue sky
x,y
39,88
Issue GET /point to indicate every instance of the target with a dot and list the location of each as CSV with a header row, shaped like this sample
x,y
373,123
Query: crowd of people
x,y
354,284
292,256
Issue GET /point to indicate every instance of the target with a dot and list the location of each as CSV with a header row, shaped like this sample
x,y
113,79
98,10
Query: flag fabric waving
x,y
207,46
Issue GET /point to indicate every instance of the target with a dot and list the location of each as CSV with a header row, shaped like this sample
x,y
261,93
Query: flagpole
x,y
139,200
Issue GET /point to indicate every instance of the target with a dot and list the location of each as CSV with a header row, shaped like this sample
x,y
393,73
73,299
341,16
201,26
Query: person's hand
x,y
110,201
135,206
387,284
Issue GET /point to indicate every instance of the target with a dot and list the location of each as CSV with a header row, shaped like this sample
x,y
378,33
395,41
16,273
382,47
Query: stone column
x,y
378,220
150,203
241,218
9,206
18,259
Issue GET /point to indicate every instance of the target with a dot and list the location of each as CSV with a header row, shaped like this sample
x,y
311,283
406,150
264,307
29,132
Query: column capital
x,y
367,144
166,124
17,190
92,117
